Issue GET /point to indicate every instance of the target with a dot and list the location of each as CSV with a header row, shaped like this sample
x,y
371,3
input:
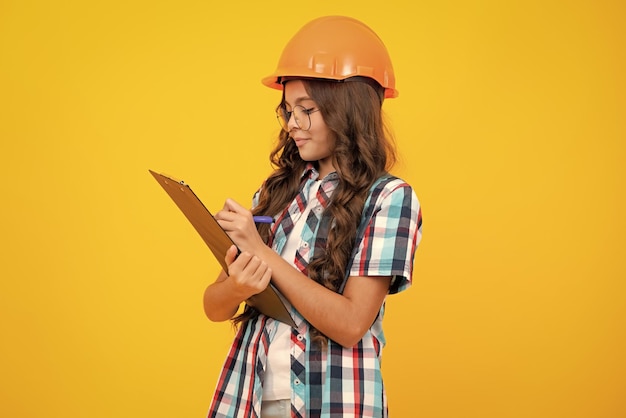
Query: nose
x,y
292,123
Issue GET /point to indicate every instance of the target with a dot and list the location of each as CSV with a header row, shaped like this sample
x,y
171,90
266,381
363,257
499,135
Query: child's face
x,y
313,144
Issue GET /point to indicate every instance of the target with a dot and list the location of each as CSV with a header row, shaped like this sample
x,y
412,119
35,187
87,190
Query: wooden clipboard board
x,y
267,302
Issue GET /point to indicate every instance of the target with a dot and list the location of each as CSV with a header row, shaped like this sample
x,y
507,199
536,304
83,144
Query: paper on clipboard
x,y
268,301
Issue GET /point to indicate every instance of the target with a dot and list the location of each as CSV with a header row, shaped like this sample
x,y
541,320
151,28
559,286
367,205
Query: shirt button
x,y
296,382
305,245
300,337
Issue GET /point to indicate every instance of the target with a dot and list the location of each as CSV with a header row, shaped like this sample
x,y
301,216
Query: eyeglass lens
x,y
300,113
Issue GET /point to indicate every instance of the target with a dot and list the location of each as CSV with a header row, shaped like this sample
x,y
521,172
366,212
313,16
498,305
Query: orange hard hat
x,y
335,48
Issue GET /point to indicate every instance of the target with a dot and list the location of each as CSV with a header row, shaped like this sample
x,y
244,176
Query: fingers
x,y
250,274
260,271
266,278
238,223
234,216
255,268
230,209
231,206
225,215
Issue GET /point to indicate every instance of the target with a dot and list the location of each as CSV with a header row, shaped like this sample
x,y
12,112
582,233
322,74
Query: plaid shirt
x,y
338,381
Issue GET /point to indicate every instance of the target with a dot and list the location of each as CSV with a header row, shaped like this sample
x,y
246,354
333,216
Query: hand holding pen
x,y
240,225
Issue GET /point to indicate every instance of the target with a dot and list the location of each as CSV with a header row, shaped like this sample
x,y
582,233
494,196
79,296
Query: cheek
x,y
326,137
330,140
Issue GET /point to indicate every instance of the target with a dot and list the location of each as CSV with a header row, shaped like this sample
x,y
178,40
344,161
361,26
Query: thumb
x,y
231,254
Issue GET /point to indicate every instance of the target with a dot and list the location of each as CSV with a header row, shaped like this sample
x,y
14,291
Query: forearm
x,y
341,318
220,303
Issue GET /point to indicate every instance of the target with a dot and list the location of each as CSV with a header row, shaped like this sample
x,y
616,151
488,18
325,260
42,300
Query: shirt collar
x,y
311,173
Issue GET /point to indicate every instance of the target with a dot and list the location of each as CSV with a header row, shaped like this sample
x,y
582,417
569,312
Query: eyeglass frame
x,y
283,115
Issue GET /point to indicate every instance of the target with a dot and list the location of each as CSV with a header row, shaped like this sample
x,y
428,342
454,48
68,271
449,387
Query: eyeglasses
x,y
300,114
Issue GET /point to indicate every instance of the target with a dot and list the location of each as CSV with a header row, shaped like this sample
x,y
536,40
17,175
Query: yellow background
x,y
510,123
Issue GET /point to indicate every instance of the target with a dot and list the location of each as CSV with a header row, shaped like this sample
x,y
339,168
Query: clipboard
x,y
268,301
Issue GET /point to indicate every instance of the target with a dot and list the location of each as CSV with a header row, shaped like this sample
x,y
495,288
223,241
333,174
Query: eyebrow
x,y
299,100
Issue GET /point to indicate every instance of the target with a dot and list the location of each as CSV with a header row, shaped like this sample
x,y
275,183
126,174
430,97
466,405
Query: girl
x,y
343,238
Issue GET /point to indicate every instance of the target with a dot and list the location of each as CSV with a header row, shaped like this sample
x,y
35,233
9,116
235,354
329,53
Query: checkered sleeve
x,y
391,236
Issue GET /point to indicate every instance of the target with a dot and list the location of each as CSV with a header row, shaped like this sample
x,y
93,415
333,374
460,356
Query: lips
x,y
300,141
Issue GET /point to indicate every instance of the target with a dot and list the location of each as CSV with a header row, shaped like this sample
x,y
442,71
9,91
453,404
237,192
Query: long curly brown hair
x,y
363,151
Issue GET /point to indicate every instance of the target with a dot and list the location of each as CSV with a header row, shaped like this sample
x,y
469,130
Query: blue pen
x,y
263,219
